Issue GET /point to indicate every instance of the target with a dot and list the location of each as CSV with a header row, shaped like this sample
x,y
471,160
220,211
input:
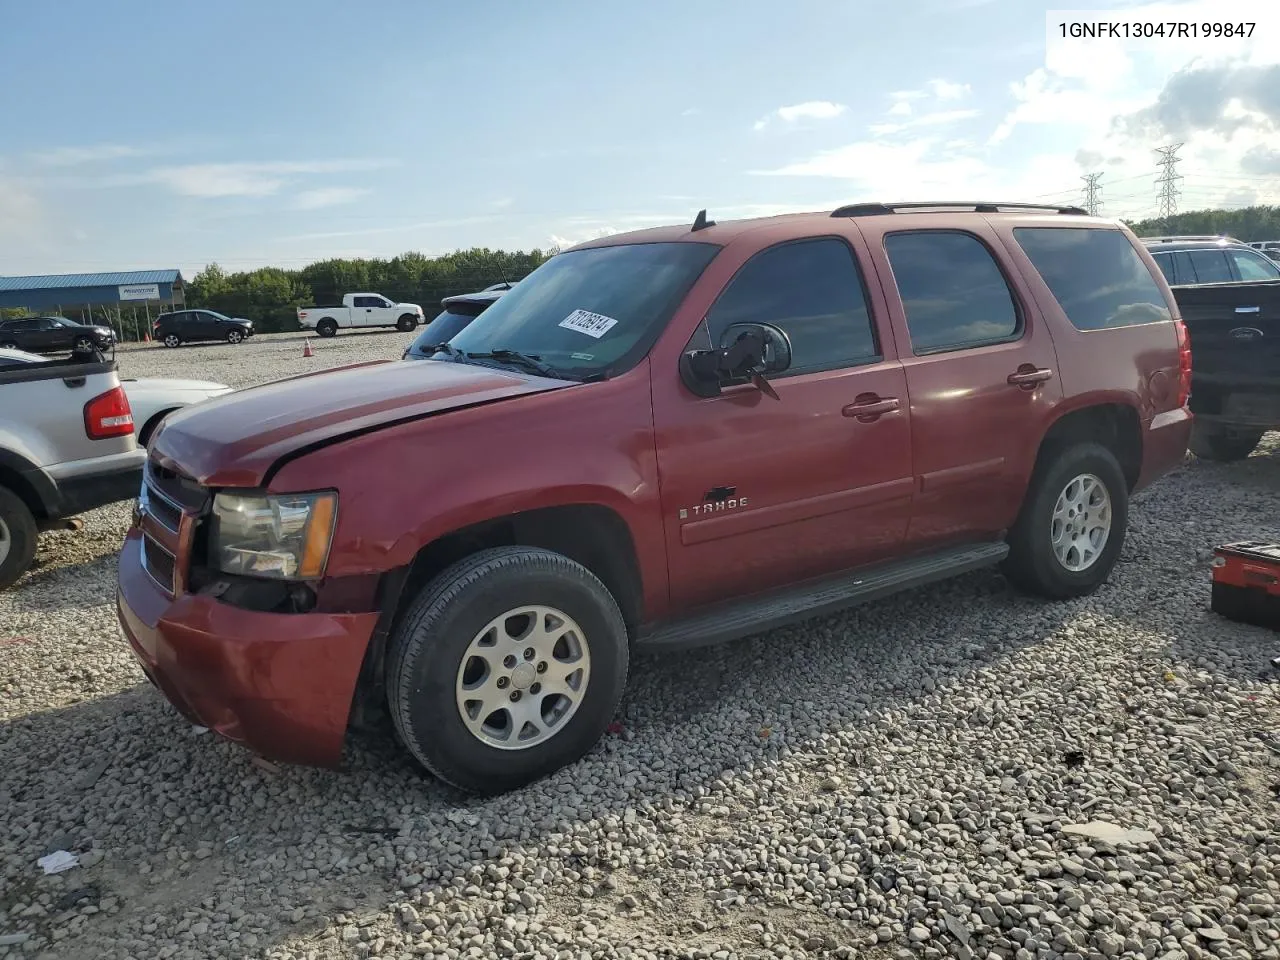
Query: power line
x,y
1168,181
1092,193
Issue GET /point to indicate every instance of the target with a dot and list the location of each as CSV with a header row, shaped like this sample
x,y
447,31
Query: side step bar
x,y
731,621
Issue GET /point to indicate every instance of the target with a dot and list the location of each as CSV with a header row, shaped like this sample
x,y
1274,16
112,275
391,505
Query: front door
x,y
981,374
760,493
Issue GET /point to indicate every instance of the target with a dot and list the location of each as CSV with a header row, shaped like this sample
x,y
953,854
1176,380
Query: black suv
x,y
1191,261
53,335
189,326
455,314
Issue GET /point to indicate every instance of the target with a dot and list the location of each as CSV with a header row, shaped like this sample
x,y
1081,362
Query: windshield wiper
x,y
530,361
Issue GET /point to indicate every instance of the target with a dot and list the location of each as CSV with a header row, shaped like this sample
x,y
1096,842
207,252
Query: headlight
x,y
285,536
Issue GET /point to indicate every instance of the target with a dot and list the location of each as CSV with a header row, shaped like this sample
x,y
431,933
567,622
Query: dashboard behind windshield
x,y
590,312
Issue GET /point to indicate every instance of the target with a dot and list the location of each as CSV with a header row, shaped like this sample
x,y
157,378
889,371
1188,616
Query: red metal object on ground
x,y
1246,583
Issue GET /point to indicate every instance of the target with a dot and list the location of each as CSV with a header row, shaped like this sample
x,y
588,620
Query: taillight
x,y
1184,363
108,415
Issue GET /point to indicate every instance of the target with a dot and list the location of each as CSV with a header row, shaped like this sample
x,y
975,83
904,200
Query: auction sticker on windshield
x,y
592,324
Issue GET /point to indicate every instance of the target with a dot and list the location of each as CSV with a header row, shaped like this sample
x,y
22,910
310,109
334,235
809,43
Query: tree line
x,y
1249,224
270,296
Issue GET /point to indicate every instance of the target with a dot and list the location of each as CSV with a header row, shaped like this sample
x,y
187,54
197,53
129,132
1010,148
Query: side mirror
x,y
748,352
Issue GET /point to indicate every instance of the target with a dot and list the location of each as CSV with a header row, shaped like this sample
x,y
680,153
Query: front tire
x,y
406,323
234,337
508,666
327,327
18,536
1223,444
1072,525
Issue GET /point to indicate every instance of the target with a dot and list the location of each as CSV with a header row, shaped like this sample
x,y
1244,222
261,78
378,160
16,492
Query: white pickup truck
x,y
361,310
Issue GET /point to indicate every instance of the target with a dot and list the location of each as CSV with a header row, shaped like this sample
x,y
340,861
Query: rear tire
x,y
327,327
455,700
1078,488
172,340
8,345
18,536
1223,444
406,323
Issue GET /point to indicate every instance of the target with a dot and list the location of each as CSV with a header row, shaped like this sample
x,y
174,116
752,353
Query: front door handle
x,y
871,408
1028,376
1248,309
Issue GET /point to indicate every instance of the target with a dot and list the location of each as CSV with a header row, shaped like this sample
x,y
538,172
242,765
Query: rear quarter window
x,y
1096,276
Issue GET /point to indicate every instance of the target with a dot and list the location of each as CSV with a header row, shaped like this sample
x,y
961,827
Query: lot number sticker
x,y
592,324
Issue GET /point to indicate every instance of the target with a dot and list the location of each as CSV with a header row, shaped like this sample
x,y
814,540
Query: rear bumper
x,y
1164,445
119,478
280,684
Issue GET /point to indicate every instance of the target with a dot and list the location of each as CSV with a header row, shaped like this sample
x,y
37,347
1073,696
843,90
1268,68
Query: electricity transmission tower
x,y
1092,193
1168,181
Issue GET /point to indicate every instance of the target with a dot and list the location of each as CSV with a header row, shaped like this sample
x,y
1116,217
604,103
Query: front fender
x,y
403,487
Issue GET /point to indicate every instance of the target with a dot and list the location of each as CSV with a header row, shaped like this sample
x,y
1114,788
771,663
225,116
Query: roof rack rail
x,y
1194,237
877,209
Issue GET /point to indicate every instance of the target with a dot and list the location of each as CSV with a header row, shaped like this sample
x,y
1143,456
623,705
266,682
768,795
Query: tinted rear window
x,y
1096,276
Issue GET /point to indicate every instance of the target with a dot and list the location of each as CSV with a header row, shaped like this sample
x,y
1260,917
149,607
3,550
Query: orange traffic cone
x,y
306,348
146,338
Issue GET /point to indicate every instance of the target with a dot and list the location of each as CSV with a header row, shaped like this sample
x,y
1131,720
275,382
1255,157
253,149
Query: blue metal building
x,y
82,294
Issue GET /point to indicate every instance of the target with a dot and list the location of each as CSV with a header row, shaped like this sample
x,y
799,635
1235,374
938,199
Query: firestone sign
x,y
140,291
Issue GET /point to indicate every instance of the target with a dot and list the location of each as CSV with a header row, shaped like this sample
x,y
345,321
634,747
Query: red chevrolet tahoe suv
x,y
659,439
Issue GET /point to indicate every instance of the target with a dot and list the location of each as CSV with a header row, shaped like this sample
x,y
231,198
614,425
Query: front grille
x,y
159,563
170,507
167,513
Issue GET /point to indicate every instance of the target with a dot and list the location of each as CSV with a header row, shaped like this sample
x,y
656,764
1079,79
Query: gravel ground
x,y
906,779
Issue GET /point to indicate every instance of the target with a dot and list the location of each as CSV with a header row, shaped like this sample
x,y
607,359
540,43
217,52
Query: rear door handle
x,y
1030,377
871,409
1248,309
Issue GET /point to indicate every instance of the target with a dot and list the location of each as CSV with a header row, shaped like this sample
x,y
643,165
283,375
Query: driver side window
x,y
812,290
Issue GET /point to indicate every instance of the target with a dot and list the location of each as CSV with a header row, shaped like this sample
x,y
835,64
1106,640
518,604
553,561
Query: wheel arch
x,y
1115,424
592,534
149,428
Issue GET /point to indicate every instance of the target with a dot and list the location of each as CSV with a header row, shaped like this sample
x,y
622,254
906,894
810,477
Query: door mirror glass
x,y
748,352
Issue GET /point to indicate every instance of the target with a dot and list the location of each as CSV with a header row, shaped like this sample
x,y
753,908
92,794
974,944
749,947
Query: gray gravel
x,y
962,772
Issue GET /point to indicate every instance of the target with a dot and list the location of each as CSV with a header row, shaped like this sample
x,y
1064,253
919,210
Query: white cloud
x,y
809,110
21,213
946,90
328,197
246,179
936,119
75,156
938,91
573,238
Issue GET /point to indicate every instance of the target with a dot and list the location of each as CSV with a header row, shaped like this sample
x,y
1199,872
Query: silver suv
x,y
66,446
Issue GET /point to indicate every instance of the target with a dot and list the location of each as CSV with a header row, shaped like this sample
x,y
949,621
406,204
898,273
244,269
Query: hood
x,y
236,439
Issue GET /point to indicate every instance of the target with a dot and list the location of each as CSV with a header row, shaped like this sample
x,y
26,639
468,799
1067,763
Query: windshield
x,y
446,325
590,312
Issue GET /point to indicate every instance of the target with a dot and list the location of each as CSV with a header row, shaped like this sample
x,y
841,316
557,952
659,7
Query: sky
x,y
143,135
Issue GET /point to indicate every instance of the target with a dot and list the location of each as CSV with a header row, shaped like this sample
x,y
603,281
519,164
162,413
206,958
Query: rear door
x,y
981,376
760,493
